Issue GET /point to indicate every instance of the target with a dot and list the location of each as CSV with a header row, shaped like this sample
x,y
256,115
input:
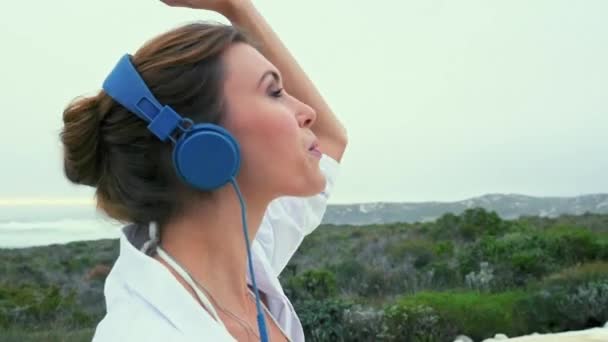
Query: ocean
x,y
19,234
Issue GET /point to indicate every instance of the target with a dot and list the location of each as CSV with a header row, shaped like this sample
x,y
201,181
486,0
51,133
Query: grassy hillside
x,y
472,274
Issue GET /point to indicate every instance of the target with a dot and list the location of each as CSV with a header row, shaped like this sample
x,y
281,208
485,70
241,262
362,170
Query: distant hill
x,y
507,206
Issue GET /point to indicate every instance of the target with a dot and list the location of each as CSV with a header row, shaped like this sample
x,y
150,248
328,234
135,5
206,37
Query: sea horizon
x,y
23,234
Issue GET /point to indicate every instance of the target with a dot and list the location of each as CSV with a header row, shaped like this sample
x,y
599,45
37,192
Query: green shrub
x,y
532,262
567,307
420,250
416,323
34,306
354,277
575,298
444,276
349,275
522,256
602,245
570,245
54,334
478,315
482,280
401,249
477,222
445,226
516,258
576,275
375,283
323,320
312,284
444,249
362,324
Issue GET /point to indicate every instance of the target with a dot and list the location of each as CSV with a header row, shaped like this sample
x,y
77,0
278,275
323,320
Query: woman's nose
x,y
306,114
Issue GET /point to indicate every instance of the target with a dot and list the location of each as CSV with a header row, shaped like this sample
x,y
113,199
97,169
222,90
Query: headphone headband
x,y
125,86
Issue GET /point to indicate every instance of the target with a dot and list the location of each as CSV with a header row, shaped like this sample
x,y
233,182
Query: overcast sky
x,y
443,100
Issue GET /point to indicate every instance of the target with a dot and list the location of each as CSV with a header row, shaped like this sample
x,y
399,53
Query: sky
x,y
442,100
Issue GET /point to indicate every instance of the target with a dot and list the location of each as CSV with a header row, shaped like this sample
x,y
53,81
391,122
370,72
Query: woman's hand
x,y
224,7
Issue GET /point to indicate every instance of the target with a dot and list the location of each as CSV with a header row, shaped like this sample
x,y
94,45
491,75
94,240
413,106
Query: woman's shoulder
x,y
133,321
144,302
136,320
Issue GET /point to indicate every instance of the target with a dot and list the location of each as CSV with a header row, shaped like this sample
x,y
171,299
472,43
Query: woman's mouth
x,y
316,152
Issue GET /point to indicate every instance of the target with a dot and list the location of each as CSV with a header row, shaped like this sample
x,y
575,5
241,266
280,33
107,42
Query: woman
x,y
182,270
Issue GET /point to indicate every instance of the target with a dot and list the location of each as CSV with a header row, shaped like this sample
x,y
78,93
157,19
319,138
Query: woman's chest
x,y
245,329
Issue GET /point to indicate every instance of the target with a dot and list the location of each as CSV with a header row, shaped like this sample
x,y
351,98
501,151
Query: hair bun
x,y
80,139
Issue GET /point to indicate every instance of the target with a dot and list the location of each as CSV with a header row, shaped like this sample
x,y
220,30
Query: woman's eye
x,y
277,93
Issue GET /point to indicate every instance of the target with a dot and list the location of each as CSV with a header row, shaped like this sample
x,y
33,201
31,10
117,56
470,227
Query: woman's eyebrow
x,y
272,73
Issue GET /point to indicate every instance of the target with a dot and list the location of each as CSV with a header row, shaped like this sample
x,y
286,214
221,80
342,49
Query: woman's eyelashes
x,y
277,93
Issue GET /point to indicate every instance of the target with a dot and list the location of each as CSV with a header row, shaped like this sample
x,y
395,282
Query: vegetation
x,y
473,274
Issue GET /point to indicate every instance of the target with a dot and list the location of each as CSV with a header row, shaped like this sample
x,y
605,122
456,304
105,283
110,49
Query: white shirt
x,y
145,302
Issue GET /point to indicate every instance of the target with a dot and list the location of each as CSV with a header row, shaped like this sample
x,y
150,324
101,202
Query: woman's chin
x,y
317,187
310,188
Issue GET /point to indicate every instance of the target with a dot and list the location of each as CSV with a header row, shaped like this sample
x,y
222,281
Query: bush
x,y
560,308
375,282
530,263
477,222
339,320
516,258
55,334
362,324
444,249
31,305
445,226
40,307
481,280
570,245
323,320
576,275
419,250
603,248
575,298
474,314
354,277
444,276
312,284
415,323
349,275
521,256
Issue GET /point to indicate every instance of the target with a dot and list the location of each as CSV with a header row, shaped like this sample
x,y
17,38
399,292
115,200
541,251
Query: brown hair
x,y
109,148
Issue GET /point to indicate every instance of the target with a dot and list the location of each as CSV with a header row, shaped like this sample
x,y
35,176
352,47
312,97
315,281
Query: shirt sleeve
x,y
289,219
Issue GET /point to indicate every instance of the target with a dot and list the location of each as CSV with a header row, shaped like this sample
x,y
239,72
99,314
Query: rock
x,y
463,338
497,337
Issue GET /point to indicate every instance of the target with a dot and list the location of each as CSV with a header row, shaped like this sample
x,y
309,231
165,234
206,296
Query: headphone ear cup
x,y
207,157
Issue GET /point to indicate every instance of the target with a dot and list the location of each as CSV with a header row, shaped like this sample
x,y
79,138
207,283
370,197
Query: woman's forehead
x,y
244,66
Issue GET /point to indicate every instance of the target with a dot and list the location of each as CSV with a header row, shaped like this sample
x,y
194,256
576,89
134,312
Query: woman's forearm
x,y
327,127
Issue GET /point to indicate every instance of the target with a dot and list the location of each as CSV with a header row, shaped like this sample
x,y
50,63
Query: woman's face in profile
x,y
272,127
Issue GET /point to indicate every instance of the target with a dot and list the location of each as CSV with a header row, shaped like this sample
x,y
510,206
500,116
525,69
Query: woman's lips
x,y
316,152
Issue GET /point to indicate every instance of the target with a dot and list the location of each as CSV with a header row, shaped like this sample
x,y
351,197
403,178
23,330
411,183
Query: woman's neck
x,y
209,242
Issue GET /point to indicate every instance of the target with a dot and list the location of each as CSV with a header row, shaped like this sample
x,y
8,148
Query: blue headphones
x,y
205,156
